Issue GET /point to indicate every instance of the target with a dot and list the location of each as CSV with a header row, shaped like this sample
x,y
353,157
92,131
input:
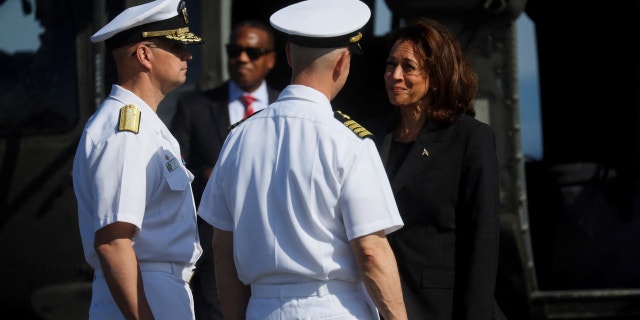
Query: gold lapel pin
x,y
425,152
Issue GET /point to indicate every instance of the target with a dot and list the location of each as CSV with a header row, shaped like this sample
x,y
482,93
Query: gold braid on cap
x,y
174,32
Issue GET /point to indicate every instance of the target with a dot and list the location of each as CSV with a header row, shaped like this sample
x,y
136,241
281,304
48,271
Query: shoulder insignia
x,y
129,119
359,130
236,124
241,121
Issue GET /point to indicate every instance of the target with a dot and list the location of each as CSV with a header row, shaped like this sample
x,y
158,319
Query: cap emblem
x,y
356,38
182,10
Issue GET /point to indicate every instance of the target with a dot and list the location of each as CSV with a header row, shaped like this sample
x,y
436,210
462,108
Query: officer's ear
x,y
342,64
287,50
143,53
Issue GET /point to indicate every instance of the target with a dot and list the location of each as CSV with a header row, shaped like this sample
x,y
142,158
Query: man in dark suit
x,y
201,124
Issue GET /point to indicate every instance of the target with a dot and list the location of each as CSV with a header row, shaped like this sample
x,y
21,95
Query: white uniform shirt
x,y
135,178
294,185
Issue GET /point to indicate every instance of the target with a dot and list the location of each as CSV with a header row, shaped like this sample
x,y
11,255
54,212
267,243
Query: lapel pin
x,y
425,152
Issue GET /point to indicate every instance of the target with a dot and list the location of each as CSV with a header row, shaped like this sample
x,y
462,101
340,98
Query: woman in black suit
x,y
443,169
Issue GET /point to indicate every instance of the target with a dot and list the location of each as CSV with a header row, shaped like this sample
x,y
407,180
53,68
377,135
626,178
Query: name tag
x,y
173,164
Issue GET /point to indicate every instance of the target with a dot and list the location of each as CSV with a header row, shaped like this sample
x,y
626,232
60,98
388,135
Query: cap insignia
x,y
182,10
356,38
129,119
359,130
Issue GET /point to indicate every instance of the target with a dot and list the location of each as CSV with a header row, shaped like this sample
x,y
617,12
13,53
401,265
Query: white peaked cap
x,y
323,23
167,19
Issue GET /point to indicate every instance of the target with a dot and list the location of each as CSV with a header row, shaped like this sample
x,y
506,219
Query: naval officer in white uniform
x,y
299,199
135,205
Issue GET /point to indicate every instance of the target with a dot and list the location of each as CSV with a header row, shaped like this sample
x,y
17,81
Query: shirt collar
x,y
260,94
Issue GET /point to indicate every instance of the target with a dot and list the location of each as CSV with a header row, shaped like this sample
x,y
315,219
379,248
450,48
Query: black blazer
x,y
447,191
200,125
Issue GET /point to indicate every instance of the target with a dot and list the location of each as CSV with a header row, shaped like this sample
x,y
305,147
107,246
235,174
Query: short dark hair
x,y
253,23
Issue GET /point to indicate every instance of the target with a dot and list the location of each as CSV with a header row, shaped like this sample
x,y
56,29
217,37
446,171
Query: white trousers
x,y
332,302
169,297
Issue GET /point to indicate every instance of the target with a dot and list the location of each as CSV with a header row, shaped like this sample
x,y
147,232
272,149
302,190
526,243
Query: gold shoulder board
x,y
129,119
359,130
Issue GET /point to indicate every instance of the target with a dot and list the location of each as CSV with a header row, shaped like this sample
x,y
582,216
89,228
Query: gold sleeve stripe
x,y
359,130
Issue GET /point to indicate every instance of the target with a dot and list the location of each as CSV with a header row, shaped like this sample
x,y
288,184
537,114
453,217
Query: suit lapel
x,y
219,109
420,155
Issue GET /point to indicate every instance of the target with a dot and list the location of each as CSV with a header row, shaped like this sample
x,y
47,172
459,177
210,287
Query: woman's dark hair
x,y
453,84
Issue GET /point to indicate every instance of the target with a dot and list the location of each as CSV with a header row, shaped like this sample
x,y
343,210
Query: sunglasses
x,y
234,51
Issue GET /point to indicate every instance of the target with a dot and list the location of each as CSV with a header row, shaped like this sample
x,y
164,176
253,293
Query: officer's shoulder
x,y
355,127
129,119
241,121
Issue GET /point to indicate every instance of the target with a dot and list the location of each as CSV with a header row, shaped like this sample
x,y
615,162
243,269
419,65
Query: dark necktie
x,y
247,100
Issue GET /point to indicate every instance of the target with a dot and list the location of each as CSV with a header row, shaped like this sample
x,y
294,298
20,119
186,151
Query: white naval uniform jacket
x,y
294,185
135,178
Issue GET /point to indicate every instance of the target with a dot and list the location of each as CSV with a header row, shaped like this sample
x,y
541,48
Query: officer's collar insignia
x,y
359,130
129,119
